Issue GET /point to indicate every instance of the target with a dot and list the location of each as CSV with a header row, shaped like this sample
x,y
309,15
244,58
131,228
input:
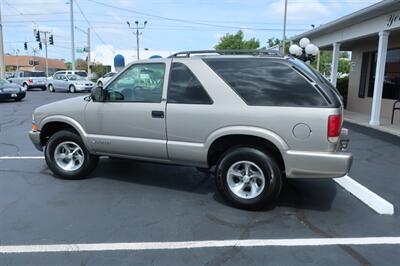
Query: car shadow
x,y
308,194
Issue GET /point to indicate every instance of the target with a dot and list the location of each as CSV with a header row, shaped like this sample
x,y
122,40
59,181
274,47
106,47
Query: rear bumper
x,y
304,164
35,138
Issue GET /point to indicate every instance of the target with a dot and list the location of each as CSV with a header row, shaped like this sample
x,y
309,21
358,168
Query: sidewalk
x,y
363,120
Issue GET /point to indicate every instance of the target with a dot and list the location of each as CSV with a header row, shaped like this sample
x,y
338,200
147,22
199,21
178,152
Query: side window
x,y
185,88
266,82
139,83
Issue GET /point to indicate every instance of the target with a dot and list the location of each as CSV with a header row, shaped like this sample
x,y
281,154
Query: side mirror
x,y
97,94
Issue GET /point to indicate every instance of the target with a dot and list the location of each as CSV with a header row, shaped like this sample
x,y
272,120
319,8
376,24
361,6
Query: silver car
x,y
252,120
69,82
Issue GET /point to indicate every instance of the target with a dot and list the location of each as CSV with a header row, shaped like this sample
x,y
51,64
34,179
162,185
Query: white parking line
x,y
200,244
21,157
368,197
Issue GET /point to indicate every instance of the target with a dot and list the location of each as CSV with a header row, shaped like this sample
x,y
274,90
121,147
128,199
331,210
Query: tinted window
x,y
266,82
184,87
34,74
140,83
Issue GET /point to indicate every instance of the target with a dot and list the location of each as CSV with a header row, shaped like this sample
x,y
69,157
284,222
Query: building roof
x,y
23,61
359,16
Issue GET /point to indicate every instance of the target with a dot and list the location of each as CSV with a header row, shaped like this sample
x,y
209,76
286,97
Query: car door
x,y
131,120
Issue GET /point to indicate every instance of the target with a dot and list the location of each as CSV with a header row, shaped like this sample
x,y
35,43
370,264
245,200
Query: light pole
x,y
306,51
137,33
284,28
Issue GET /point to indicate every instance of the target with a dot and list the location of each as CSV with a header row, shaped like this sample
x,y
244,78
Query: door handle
x,y
157,114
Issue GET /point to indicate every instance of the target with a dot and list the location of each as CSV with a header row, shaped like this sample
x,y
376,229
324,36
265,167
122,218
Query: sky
x,y
172,25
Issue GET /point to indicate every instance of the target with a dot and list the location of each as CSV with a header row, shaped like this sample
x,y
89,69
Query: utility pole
x,y
89,61
45,48
87,49
284,28
71,2
2,63
137,33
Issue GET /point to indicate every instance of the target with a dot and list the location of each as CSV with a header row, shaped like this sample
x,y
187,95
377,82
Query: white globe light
x,y
294,49
311,49
304,42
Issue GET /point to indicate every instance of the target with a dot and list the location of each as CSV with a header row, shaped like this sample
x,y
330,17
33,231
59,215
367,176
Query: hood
x,y
72,107
10,87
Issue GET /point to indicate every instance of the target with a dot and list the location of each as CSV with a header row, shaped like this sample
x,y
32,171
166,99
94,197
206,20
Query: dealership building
x,y
372,35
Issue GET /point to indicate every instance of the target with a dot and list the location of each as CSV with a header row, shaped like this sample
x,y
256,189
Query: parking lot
x,y
134,202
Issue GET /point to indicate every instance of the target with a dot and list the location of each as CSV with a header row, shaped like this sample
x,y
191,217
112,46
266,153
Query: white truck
x,y
29,79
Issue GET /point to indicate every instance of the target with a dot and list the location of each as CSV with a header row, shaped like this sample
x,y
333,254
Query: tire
x,y
72,89
51,88
26,87
57,147
252,195
100,84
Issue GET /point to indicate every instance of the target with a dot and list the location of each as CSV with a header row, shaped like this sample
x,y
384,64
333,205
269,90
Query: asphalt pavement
x,y
126,201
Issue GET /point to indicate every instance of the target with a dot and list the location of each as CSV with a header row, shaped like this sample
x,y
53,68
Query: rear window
x,y
81,73
266,82
35,74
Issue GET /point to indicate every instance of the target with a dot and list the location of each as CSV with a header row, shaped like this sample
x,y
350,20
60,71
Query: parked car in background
x,y
29,79
69,82
104,79
81,73
11,91
253,119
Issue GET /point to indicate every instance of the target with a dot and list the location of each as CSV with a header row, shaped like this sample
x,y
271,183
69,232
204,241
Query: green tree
x,y
326,61
81,64
271,42
237,41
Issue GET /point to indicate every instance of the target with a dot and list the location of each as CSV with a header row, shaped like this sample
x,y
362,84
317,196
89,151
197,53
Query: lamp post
x,y
305,51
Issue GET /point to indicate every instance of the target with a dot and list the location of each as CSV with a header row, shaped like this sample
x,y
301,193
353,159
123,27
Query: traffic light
x,y
51,40
38,36
40,45
25,45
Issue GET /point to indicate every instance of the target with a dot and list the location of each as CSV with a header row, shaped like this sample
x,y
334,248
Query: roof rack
x,y
229,52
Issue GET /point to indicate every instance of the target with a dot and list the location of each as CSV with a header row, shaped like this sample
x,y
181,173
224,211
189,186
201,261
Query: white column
x,y
379,77
335,63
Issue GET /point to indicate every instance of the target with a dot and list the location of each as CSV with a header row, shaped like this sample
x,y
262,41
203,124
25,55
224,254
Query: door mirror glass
x,y
97,94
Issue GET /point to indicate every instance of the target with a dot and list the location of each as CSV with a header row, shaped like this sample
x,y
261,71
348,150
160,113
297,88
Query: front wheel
x,y
51,88
26,87
249,178
72,89
67,156
100,84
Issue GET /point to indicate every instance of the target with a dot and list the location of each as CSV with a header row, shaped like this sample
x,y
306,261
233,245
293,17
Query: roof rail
x,y
229,52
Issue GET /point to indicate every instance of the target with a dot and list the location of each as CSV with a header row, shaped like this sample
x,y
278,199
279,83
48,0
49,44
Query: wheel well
x,y
222,144
51,128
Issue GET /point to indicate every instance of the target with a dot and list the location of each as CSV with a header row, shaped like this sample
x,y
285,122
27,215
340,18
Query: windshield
x,y
75,77
3,81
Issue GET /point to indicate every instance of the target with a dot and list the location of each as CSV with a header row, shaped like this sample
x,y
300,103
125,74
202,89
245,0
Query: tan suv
x,y
252,117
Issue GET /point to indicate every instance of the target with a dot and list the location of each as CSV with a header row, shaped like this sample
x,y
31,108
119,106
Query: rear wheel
x,y
67,156
26,87
72,89
51,88
249,178
100,84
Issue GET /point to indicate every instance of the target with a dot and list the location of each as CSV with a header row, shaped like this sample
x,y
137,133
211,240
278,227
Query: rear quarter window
x,y
266,82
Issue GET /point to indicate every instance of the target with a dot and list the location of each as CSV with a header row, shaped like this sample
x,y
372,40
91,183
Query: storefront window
x,y
391,84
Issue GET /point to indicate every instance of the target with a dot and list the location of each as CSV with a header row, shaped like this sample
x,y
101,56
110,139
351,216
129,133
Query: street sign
x,y
80,50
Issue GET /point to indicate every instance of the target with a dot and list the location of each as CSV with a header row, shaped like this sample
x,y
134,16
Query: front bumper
x,y
83,88
12,95
303,164
35,138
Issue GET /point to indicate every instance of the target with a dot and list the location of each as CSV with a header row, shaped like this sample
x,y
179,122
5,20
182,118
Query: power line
x,y
90,25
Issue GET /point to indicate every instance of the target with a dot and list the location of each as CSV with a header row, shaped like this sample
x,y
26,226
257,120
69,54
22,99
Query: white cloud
x,y
299,11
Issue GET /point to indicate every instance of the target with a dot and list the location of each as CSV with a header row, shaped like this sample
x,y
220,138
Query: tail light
x,y
30,80
334,124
